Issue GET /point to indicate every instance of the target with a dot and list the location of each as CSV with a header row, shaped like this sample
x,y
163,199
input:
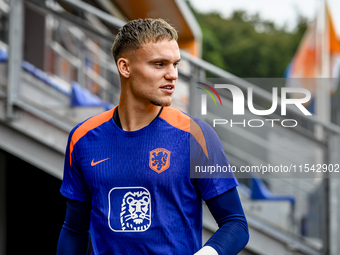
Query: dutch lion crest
x,y
135,212
159,160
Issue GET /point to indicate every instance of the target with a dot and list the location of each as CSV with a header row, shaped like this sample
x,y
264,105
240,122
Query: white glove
x,y
207,250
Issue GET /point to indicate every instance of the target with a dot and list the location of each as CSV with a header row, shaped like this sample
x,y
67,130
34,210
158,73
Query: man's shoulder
x,y
181,120
89,124
198,129
184,121
176,118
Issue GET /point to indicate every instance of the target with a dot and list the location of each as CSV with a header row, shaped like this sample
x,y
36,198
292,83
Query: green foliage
x,y
248,46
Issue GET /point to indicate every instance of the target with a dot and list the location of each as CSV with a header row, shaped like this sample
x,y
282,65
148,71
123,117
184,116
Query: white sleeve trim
x,y
207,250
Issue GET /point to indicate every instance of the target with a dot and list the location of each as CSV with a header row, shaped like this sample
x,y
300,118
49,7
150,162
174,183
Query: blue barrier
x,y
3,55
79,96
259,191
83,97
49,80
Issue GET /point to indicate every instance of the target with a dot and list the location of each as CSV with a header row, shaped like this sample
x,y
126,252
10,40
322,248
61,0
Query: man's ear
x,y
123,66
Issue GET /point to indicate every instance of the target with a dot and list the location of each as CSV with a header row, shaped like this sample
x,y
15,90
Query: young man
x,y
127,170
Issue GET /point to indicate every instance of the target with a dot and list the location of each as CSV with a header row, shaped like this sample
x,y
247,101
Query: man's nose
x,y
172,73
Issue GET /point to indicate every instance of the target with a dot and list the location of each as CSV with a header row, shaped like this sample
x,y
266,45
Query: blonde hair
x,y
138,32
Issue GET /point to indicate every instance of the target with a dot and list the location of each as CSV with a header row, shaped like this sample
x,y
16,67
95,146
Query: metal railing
x,y
287,146
84,50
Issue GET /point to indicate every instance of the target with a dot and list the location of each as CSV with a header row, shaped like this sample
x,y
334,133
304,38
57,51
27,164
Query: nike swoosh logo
x,y
97,162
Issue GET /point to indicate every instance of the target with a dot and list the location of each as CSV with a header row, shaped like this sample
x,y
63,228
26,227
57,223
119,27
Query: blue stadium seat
x,y
259,191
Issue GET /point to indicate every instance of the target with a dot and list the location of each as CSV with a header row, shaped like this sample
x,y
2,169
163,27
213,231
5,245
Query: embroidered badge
x,y
159,160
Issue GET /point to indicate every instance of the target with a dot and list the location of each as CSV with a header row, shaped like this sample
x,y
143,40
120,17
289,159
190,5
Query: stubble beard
x,y
160,103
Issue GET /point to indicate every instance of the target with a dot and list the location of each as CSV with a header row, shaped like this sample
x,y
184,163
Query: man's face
x,y
153,72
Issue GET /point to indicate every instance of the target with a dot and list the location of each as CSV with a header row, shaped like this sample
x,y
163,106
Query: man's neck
x,y
133,118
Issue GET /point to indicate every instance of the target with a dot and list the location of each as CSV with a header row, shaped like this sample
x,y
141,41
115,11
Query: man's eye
x,y
159,64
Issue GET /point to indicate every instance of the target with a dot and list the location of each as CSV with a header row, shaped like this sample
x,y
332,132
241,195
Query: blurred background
x,y
56,70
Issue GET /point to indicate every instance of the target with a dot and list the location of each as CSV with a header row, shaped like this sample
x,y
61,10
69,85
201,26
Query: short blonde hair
x,y
138,32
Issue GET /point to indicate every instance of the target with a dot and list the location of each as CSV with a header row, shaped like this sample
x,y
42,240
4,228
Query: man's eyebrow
x,y
164,60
